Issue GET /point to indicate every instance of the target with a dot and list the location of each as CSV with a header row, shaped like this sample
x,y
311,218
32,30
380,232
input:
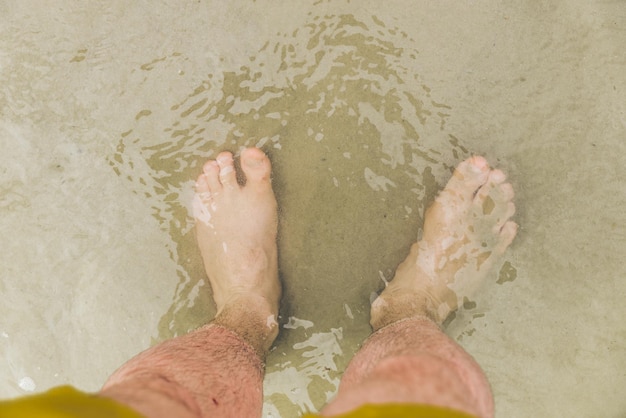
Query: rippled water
x,y
341,117
342,114
106,109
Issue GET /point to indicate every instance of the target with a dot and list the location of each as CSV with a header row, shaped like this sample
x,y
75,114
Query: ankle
x,y
253,318
387,309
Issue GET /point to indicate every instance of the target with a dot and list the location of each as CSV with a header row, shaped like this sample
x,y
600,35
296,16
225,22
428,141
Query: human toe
x,y
203,199
211,171
227,174
469,176
492,188
502,194
507,235
494,203
256,167
507,191
202,187
505,213
496,176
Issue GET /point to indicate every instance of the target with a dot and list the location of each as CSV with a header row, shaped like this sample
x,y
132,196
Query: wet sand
x,y
109,111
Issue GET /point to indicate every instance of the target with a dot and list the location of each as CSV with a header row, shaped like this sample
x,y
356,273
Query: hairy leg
x,y
409,359
217,370
208,372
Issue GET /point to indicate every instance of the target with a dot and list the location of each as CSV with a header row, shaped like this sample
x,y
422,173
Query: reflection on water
x,y
339,108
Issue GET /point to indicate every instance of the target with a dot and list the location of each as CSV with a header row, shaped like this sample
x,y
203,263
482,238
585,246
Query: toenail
x,y
224,159
253,161
478,165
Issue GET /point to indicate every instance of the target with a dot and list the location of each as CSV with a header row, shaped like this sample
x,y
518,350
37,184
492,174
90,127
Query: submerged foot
x,y
236,228
466,229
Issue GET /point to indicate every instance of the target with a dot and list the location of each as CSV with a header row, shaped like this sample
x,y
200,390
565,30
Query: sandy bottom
x,y
108,112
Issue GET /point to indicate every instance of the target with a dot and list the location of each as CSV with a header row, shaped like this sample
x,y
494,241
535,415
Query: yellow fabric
x,y
64,402
67,402
400,411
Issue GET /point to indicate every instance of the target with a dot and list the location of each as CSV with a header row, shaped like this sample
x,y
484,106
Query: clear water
x,y
109,112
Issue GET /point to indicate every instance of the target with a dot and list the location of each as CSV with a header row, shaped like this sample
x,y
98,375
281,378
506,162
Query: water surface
x,y
109,111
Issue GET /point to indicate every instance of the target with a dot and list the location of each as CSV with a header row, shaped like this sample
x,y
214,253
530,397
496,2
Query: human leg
x,y
408,359
217,370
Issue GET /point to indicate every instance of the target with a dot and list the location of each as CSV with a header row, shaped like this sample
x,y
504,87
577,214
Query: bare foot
x,y
466,229
236,227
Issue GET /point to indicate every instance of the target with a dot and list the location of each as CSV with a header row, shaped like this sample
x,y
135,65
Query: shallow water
x,y
109,112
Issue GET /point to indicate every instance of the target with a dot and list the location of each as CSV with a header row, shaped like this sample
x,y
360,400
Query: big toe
x,y
257,168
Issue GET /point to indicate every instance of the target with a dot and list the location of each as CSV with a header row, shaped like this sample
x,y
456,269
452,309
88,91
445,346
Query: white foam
x,y
295,323
376,182
200,211
348,311
27,384
271,321
382,277
293,380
